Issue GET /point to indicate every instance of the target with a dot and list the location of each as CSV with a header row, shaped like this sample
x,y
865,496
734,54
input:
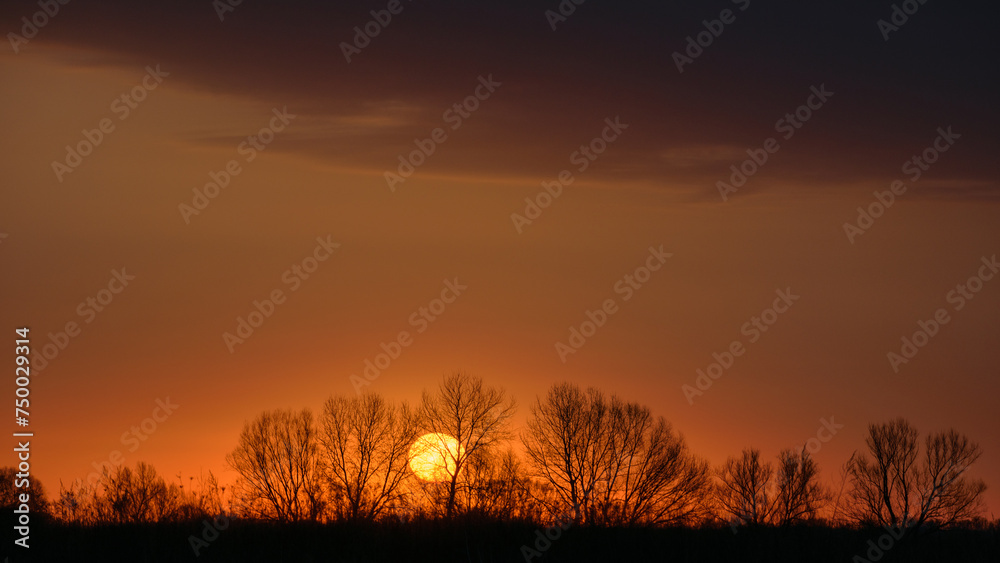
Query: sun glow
x,y
432,457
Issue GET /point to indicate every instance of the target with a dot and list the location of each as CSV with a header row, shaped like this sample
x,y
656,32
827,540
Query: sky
x,y
476,183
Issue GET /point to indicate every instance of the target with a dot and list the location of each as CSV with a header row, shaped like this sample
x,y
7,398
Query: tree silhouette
x,y
494,486
366,443
566,442
135,495
613,461
652,478
602,460
753,492
475,415
10,492
744,489
895,488
276,459
800,495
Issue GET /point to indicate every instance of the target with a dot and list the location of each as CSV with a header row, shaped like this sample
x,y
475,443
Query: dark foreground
x,y
440,541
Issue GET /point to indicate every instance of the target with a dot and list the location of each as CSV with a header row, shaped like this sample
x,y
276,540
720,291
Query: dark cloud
x,y
606,59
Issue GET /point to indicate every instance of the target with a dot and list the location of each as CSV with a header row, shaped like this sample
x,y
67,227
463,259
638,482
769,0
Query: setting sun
x,y
432,457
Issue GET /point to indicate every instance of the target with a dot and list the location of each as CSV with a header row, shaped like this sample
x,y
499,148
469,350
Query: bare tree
x,y
206,501
799,495
76,503
129,495
475,415
651,476
840,514
895,488
366,443
276,458
494,486
12,487
567,442
881,489
612,461
744,489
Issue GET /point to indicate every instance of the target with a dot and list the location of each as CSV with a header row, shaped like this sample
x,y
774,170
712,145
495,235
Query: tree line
x,y
607,461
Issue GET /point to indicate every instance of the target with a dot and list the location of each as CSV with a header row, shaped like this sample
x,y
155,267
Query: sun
x,y
432,457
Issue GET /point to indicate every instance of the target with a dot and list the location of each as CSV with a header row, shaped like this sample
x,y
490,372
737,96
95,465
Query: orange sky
x,y
323,176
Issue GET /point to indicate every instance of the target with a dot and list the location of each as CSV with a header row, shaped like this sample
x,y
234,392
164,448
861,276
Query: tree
x,y
651,476
799,492
12,487
137,495
744,489
566,442
366,443
494,486
207,501
612,462
752,492
276,459
475,415
76,503
896,488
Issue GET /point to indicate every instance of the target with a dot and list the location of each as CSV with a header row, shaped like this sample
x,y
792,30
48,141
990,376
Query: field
x,y
477,541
